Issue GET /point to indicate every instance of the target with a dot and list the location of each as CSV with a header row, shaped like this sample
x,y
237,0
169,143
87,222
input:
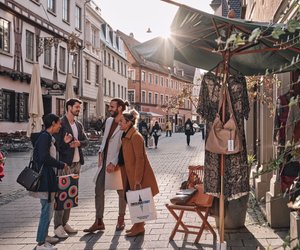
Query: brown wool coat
x,y
137,166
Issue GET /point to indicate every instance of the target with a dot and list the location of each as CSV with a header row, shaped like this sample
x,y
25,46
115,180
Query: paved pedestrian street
x,y
19,213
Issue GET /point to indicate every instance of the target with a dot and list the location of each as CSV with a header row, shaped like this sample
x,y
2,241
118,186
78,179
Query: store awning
x,y
194,36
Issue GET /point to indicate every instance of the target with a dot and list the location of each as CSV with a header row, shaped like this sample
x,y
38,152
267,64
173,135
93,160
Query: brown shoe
x,y
98,225
121,223
138,229
129,230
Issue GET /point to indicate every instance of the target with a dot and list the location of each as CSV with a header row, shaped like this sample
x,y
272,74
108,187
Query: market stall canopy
x,y
199,39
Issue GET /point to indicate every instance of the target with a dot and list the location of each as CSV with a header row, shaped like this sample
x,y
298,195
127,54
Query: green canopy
x,y
199,39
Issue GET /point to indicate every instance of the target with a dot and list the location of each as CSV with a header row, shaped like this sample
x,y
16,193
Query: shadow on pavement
x,y
91,239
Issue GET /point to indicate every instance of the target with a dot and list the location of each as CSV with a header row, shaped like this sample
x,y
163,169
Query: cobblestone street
x,y
19,212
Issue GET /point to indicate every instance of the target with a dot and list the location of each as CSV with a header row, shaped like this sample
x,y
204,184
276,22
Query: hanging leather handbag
x,y
224,138
30,177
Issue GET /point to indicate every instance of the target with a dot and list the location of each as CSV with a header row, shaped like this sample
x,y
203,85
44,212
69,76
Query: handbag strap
x,y
224,91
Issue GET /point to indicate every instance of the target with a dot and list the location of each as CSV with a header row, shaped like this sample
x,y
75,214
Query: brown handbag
x,y
224,138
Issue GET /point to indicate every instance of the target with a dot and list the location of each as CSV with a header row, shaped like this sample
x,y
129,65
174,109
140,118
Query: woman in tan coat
x,y
136,170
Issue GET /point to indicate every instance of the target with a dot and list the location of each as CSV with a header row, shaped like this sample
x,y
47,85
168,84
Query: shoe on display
x,y
60,232
52,240
46,246
69,229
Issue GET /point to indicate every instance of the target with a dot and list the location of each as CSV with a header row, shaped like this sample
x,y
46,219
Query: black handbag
x,y
30,177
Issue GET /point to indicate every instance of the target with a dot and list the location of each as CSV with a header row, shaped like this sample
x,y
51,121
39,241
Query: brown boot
x,y
121,223
138,229
98,225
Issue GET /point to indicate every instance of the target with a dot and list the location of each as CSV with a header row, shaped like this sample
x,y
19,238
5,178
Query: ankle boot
x,y
138,229
121,223
98,225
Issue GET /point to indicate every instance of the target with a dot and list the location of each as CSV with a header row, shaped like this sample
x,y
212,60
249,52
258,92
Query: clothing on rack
x,y
236,170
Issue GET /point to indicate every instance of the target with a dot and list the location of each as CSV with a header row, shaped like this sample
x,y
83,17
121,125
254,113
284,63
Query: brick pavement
x,y
19,213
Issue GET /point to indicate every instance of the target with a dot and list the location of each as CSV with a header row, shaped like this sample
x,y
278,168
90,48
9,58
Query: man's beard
x,y
114,113
75,113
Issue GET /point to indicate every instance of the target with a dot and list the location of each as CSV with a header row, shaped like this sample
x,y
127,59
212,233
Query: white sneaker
x,y
46,246
60,232
69,229
52,240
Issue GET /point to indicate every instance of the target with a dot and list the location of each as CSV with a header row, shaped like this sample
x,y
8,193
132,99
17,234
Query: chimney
x,y
131,35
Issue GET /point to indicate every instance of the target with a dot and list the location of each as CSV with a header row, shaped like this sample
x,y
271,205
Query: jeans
x,y
99,197
45,218
61,217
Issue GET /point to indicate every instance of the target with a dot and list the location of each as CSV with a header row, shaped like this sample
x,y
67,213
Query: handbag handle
x,y
224,88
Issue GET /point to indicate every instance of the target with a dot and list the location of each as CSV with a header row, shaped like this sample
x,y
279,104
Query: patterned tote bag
x,y
67,194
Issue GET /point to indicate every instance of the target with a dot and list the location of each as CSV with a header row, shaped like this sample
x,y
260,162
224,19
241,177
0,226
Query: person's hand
x,y
137,186
68,138
67,169
110,168
74,144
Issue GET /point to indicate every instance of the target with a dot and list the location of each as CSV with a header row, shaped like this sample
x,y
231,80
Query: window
x,y
131,74
167,82
125,70
114,89
75,65
143,97
47,55
150,78
108,63
14,106
60,107
113,62
125,93
176,85
8,105
161,99
109,87
172,84
150,98
156,98
167,99
105,87
118,66
62,59
78,18
161,81
87,70
66,10
97,74
4,35
94,37
143,77
51,5
156,79
104,57
119,92
29,45
122,70
131,96
122,93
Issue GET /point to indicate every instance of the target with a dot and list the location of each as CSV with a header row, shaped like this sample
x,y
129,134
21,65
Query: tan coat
x,y
137,166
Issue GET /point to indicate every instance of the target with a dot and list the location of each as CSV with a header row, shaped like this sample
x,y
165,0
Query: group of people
x,y
122,163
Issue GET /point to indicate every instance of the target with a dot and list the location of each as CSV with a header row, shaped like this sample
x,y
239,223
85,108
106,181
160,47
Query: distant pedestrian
x,y
144,131
107,162
189,130
136,169
202,129
72,154
44,155
169,128
156,133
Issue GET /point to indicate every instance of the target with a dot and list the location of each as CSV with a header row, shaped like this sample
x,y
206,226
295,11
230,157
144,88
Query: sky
x,y
137,16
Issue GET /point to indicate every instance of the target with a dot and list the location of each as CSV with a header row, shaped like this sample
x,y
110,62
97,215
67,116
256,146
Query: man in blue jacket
x,y
70,153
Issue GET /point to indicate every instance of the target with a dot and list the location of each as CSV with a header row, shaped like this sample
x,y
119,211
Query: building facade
x,y
37,31
153,88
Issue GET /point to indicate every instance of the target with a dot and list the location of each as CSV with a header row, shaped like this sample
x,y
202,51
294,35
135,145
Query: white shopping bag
x,y
141,205
150,142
